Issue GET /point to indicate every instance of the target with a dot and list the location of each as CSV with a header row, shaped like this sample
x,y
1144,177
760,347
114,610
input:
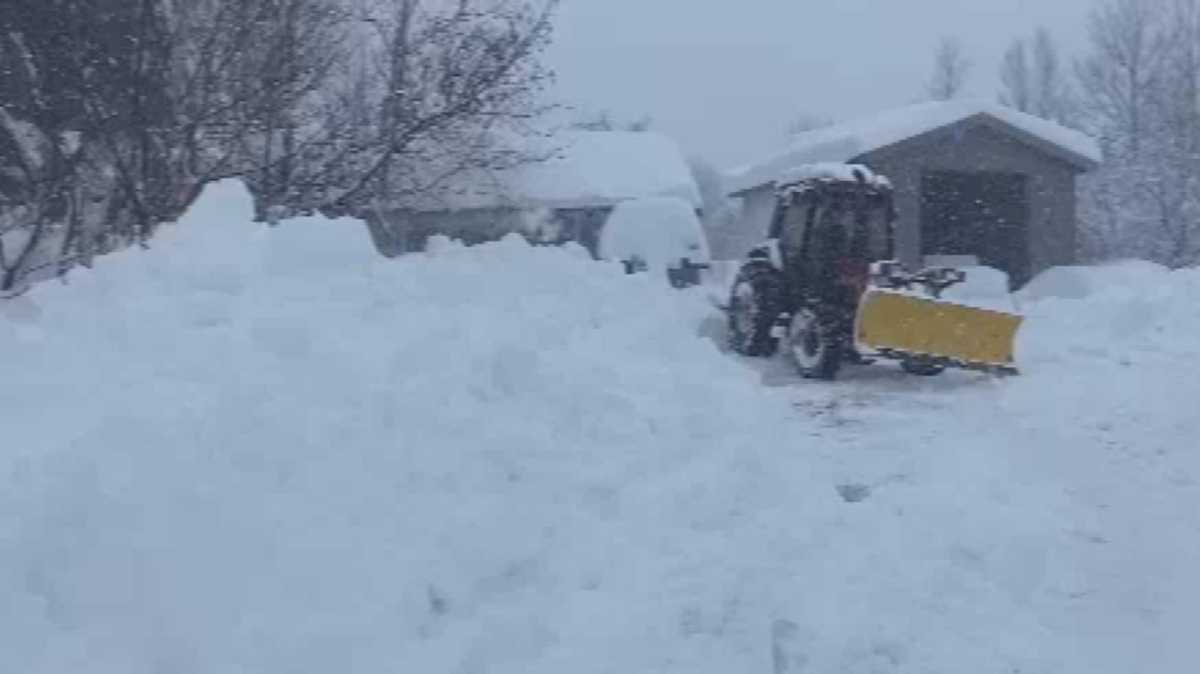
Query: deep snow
x,y
268,450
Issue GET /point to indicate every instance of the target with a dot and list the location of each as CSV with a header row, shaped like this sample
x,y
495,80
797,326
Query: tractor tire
x,y
754,306
814,345
922,367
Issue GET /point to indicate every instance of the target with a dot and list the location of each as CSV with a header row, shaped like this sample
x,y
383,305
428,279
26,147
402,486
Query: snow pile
x,y
659,231
1116,313
1080,282
268,450
850,140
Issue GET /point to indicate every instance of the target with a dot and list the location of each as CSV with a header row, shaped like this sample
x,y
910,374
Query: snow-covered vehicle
x,y
827,287
657,233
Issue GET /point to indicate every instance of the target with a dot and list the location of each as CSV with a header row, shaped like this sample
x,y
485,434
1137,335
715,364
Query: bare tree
x,y
37,198
53,172
1142,80
447,92
1054,98
1016,79
117,112
951,68
1176,132
247,86
307,40
1117,77
457,79
1037,85
128,107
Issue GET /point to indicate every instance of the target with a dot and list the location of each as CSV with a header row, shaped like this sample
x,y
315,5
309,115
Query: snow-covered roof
x,y
851,140
585,168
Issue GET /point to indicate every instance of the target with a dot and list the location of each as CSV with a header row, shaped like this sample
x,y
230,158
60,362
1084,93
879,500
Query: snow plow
x,y
827,290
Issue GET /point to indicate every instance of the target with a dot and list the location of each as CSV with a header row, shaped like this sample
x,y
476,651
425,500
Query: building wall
x,y
974,147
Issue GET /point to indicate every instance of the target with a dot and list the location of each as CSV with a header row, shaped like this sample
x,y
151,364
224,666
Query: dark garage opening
x,y
980,214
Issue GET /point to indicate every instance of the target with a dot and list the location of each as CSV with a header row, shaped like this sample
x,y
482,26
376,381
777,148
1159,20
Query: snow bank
x,y
660,231
1081,282
255,449
1114,312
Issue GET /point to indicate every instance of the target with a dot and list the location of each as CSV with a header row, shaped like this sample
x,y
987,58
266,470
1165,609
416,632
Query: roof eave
x,y
1081,162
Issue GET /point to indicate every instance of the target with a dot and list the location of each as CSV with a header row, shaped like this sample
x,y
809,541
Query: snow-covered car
x,y
659,233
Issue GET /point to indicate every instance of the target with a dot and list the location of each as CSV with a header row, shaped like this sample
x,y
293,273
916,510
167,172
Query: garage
x,y
975,182
981,215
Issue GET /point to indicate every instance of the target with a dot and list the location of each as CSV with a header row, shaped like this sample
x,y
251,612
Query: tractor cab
x,y
830,227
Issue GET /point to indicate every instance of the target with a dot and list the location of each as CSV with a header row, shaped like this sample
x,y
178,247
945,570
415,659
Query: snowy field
x,y
255,450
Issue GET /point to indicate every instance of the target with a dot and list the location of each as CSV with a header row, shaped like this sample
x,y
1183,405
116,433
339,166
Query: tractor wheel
x,y
922,367
814,345
753,309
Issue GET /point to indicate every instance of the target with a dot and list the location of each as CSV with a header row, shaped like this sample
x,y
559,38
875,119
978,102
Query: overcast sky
x,y
724,77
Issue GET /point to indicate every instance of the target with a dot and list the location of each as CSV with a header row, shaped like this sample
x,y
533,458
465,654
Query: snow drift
x,y
1077,282
267,450
1117,312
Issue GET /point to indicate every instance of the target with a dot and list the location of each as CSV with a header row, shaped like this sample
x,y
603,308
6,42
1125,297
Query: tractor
x,y
826,288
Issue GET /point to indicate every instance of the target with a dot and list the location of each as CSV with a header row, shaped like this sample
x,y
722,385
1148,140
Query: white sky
x,y
725,76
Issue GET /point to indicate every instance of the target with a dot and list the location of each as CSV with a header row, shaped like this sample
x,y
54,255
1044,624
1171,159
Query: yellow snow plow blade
x,y
904,325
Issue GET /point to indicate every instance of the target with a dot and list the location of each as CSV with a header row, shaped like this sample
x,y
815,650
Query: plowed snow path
x,y
1055,512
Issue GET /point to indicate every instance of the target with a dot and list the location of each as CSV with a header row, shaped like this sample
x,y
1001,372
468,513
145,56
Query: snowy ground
x,y
264,451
